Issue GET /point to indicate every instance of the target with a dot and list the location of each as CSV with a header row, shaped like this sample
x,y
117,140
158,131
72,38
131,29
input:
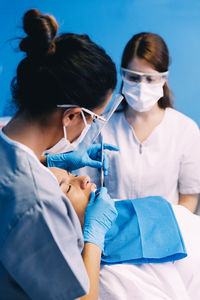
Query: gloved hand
x,y
99,216
78,159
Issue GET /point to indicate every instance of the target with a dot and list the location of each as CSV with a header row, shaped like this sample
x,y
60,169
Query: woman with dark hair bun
x,y
42,252
159,146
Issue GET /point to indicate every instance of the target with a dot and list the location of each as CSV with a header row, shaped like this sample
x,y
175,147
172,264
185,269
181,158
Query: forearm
x,y
92,259
99,216
189,201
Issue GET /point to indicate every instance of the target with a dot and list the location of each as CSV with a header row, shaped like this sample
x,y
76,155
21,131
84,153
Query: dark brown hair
x,y
64,69
153,49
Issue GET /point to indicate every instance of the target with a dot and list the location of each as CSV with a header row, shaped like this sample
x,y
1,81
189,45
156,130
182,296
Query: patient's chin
x,y
93,187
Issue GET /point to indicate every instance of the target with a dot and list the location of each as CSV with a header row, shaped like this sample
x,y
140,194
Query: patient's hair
x,y
64,69
153,49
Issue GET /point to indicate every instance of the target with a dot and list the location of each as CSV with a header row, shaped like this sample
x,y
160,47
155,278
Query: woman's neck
x,y
30,133
143,123
133,116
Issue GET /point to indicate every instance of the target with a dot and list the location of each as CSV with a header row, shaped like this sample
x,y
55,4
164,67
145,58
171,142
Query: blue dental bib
x,y
145,231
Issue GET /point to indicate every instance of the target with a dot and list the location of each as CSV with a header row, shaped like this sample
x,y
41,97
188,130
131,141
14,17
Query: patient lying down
x,y
144,256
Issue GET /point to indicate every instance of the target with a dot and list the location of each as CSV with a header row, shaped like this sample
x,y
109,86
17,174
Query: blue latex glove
x,y
99,216
78,159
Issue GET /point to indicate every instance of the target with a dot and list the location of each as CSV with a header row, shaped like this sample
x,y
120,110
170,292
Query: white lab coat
x,y
166,163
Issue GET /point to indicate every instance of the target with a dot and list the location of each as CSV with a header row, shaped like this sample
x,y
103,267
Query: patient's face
x,y
76,188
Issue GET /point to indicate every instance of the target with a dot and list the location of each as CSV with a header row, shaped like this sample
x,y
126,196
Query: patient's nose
x,y
84,181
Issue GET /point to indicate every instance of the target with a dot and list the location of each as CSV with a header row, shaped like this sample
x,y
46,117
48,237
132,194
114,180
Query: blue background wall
x,y
111,23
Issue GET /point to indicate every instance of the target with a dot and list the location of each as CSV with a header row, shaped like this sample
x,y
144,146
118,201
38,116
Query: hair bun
x,y
40,30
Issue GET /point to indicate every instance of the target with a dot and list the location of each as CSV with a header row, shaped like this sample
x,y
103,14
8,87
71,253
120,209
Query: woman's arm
x,y
99,216
189,201
92,258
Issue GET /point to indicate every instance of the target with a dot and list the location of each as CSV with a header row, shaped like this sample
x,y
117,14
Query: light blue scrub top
x,y
40,234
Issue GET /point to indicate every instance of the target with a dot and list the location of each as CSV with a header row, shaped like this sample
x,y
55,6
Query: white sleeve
x,y
189,175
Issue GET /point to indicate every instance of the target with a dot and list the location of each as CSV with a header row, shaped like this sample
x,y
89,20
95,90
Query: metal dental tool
x,y
102,171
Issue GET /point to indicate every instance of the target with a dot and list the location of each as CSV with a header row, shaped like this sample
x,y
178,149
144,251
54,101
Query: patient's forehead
x,y
61,175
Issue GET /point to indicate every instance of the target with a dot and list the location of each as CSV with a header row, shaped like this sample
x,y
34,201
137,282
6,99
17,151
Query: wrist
x,y
43,160
50,160
94,234
55,160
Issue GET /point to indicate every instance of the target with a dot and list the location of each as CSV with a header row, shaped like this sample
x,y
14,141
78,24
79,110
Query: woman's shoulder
x,y
179,117
30,181
180,121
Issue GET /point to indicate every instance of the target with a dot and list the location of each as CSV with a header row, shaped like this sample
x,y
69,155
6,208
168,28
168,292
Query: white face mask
x,y
142,96
64,144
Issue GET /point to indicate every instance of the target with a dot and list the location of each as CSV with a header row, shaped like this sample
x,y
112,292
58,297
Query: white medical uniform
x,y
166,163
40,235
179,280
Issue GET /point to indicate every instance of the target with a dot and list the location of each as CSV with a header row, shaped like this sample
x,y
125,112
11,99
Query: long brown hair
x,y
153,49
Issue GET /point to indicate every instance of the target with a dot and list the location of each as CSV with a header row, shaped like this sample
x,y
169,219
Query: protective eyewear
x,y
133,76
91,113
100,122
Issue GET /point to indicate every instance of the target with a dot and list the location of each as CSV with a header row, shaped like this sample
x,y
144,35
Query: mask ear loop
x,y
64,128
84,119
65,132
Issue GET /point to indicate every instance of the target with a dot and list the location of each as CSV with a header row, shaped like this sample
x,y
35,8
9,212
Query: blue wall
x,y
111,23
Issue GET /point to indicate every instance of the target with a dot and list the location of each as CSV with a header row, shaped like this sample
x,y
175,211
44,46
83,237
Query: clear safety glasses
x,y
94,116
91,113
133,76
98,122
